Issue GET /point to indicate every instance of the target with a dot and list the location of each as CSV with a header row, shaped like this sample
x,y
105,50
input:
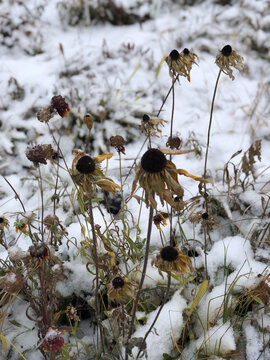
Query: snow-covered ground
x,y
112,71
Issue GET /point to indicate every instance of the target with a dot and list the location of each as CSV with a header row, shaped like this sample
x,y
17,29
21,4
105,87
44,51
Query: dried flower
x,y
159,219
157,175
150,126
172,260
174,142
21,226
11,283
72,313
86,172
39,251
228,59
181,63
118,142
88,120
59,104
4,223
53,340
44,114
39,154
119,288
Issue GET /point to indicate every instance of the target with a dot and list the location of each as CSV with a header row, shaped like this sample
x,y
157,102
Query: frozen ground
x,y
58,47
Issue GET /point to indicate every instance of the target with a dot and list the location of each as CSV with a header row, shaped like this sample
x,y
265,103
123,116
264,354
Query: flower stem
x,y
157,315
135,305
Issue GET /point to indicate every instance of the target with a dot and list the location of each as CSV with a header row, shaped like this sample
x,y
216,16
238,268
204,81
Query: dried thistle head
x,y
86,172
172,260
150,126
39,154
228,59
58,103
181,63
119,143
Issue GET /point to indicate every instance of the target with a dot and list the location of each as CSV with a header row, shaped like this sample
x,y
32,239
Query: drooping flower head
x,y
181,63
159,176
59,104
150,126
228,59
86,172
159,219
119,143
119,288
172,260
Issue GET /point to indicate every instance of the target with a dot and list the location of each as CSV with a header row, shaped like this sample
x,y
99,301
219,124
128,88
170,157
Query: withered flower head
x,y
157,175
172,260
4,223
72,313
59,104
119,288
181,63
150,126
53,340
119,143
228,59
44,114
39,154
174,142
39,251
51,220
11,283
159,219
86,172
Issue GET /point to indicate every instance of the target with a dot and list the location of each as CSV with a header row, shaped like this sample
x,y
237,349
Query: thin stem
x,y
135,305
171,131
42,201
96,268
157,315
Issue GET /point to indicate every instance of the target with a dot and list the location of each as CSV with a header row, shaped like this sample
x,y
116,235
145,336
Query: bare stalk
x,y
135,305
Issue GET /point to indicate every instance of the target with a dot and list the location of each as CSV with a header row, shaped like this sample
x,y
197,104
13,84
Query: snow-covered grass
x,y
105,58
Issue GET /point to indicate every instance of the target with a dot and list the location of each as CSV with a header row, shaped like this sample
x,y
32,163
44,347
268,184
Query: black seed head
x,y
118,282
186,51
204,216
178,198
158,219
174,55
146,118
153,161
1,220
227,50
86,165
169,253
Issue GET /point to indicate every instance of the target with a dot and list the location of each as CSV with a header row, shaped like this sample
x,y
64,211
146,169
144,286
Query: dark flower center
x,y
118,282
153,161
205,216
186,51
86,165
1,220
174,55
146,118
158,219
227,50
169,253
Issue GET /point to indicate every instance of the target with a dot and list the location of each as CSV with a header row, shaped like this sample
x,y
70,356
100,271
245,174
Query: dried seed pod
x,y
44,114
174,142
59,104
39,154
118,142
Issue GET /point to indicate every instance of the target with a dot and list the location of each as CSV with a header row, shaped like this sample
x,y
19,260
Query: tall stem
x,y
135,305
171,131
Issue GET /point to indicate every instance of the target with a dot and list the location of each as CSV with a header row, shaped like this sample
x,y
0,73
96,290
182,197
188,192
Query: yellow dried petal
x,y
102,157
194,177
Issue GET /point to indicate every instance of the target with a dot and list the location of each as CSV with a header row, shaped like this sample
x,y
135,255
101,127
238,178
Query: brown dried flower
x,y
159,219
150,126
44,114
11,283
119,288
39,251
4,223
118,142
39,154
59,104
174,142
181,63
228,59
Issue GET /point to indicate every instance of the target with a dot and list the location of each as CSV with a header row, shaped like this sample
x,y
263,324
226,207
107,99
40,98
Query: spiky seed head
x,y
153,161
86,165
227,50
169,253
174,55
186,51
118,282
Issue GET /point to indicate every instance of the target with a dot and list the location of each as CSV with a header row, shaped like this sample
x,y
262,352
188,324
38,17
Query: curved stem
x,y
135,305
157,315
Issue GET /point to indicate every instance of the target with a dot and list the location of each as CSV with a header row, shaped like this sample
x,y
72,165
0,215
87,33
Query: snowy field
x,y
106,58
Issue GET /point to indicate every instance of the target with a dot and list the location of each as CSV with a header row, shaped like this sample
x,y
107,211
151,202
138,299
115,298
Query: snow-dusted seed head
x,y
227,50
174,55
169,253
118,282
153,161
86,165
